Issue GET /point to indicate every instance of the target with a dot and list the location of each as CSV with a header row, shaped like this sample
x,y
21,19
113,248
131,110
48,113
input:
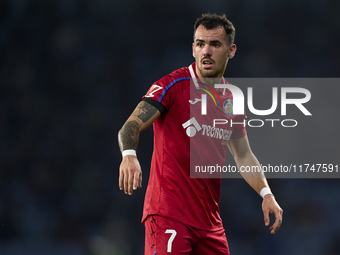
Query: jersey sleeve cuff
x,y
154,103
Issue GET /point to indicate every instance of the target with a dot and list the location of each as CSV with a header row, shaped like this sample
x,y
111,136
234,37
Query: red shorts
x,y
164,236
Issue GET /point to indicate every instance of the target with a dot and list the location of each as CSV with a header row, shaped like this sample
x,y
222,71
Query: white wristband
x,y
129,152
265,191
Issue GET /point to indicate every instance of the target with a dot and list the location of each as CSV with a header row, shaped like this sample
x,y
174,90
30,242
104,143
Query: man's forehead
x,y
210,34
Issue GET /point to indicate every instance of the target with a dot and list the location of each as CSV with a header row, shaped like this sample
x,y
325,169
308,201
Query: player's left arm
x,y
244,157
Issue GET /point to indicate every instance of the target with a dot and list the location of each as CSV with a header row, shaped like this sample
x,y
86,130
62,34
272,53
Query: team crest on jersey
x,y
152,90
228,107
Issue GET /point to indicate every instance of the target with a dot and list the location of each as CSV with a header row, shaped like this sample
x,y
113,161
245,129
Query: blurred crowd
x,y
71,71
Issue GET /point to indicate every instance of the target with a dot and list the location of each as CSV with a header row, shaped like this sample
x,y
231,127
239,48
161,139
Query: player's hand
x,y
130,174
269,205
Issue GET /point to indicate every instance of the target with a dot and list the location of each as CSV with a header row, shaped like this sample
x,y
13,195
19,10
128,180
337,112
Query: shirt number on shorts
x,y
171,239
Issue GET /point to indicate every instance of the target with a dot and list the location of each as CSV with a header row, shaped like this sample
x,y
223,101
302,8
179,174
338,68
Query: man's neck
x,y
211,81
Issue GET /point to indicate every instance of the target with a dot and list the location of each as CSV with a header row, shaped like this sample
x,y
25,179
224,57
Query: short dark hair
x,y
211,21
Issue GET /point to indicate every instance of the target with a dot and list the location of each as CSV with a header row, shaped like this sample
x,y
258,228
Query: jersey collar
x,y
193,74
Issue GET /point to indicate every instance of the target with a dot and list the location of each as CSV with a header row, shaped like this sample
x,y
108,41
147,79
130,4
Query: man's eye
x,y
200,44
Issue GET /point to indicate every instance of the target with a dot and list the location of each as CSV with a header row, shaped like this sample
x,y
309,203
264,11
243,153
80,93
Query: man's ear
x,y
232,51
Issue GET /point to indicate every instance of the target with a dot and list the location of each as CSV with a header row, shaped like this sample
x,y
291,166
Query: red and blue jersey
x,y
184,138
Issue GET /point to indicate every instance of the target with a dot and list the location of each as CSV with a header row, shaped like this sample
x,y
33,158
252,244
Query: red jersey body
x,y
183,139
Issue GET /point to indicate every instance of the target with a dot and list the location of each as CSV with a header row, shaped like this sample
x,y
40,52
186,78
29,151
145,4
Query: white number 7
x,y
171,239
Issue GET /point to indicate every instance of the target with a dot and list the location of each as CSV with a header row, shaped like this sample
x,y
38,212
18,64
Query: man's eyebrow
x,y
216,41
213,41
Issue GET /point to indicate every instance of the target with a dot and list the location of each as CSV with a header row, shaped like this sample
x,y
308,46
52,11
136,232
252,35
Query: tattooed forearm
x,y
144,111
128,136
140,119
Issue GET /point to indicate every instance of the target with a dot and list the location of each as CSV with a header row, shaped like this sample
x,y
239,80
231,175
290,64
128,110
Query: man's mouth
x,y
207,63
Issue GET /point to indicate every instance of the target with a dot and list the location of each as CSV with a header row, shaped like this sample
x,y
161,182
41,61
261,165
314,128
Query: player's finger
x,y
121,180
130,183
266,217
140,180
126,182
275,227
135,180
278,221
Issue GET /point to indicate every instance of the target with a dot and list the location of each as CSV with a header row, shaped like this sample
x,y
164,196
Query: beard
x,y
209,73
214,72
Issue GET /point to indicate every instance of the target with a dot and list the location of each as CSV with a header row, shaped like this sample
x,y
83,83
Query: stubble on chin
x,y
208,73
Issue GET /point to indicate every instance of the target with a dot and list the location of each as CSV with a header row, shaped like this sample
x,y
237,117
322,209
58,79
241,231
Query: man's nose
x,y
207,50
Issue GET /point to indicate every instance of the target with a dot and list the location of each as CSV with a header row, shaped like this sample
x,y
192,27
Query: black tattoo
x,y
144,111
128,136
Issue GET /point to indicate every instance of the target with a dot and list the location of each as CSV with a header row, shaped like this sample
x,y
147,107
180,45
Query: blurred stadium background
x,y
71,71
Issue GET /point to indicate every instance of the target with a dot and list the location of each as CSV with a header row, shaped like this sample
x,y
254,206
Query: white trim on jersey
x,y
193,76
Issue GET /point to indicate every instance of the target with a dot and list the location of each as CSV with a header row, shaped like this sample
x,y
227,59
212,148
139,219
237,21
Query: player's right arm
x,y
130,174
